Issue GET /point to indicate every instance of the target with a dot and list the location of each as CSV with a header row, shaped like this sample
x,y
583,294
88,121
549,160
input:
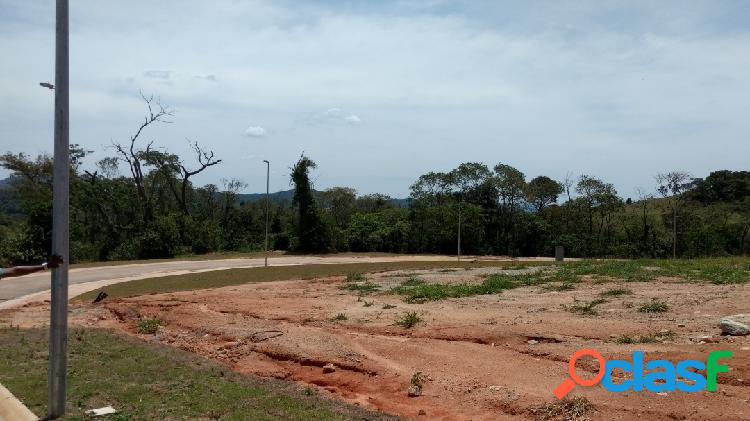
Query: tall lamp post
x,y
268,173
58,340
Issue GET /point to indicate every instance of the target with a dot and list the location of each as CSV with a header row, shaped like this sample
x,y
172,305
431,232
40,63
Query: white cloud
x,y
353,119
333,112
551,89
255,131
157,74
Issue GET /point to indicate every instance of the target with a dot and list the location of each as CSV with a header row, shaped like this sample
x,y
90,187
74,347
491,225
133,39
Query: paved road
x,y
14,291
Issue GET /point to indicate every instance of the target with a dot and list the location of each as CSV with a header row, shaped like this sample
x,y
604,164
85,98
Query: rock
x,y
532,342
706,339
736,325
680,324
414,391
329,368
230,344
664,331
495,388
422,412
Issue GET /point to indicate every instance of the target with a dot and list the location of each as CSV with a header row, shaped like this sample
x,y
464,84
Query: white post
x,y
58,341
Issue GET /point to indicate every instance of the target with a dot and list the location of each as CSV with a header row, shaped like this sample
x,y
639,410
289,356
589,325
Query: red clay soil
x,y
485,357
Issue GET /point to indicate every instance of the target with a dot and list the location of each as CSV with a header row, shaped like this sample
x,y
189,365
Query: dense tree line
x,y
155,211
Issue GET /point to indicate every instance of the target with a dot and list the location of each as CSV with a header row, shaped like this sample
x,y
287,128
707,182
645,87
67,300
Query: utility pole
x,y
58,340
268,173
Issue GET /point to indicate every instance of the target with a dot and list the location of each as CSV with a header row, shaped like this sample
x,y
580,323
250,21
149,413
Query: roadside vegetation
x,y
222,278
150,381
156,210
563,277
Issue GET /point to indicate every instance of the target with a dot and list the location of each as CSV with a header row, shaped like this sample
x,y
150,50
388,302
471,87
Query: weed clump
x,y
363,288
149,326
586,309
645,339
339,317
574,408
559,287
655,306
616,292
408,320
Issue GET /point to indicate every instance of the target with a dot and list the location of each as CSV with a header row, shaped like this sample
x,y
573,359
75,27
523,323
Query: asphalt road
x,y
86,279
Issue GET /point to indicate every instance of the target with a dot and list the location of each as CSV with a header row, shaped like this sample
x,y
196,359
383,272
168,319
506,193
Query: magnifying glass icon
x,y
568,384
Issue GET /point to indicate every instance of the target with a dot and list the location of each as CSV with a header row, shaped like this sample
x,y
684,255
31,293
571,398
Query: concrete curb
x,y
11,409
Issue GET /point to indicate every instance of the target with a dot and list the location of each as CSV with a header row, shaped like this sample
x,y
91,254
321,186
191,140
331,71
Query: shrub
x,y
408,320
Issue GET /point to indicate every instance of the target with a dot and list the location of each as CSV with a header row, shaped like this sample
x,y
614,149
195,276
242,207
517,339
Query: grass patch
x,y
355,277
655,306
645,339
144,380
559,287
432,292
368,303
222,278
149,326
388,306
363,288
731,270
408,320
616,292
586,309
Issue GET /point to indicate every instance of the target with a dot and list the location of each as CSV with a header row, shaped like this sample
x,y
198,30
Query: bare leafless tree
x,y
205,160
135,156
569,182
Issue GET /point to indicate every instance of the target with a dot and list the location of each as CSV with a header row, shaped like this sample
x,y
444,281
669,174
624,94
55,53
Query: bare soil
x,y
485,357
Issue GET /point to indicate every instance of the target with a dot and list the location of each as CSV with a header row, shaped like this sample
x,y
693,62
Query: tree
x,y
312,232
135,156
542,191
339,202
171,165
672,186
510,184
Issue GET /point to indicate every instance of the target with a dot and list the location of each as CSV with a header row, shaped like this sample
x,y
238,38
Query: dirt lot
x,y
495,356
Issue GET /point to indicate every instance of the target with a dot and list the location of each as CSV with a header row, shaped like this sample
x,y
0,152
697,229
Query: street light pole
x,y
268,173
58,341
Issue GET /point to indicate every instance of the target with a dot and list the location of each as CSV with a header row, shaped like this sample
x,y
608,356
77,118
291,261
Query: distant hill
x,y
287,195
279,196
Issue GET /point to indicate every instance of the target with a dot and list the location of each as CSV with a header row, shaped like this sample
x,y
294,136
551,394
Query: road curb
x,y
11,409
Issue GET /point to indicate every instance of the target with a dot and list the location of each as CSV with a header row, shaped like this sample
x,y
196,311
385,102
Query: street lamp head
x,y
266,161
47,85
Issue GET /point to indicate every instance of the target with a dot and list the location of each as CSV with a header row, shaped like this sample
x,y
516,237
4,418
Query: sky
x,y
380,92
